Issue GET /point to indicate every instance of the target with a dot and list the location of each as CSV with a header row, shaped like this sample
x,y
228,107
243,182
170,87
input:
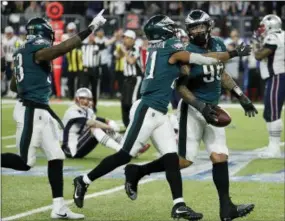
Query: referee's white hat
x,y
130,34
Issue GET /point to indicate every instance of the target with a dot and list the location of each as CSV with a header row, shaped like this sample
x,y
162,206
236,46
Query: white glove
x,y
98,21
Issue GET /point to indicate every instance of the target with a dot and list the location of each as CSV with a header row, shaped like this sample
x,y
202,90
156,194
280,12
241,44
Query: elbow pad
x,y
201,60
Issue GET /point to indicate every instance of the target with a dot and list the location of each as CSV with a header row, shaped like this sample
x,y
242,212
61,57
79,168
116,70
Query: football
x,y
223,116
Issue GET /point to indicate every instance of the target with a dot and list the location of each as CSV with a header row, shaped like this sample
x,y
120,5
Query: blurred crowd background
x,y
234,22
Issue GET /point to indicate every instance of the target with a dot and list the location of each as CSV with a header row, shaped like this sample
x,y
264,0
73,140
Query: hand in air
x,y
98,21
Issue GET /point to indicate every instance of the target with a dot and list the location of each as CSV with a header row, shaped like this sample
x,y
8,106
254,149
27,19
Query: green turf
x,y
20,194
261,166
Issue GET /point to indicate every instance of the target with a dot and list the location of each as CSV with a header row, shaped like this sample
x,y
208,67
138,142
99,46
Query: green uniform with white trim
x,y
157,87
148,115
33,80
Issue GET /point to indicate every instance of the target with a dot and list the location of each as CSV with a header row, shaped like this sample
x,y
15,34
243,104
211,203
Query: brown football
x,y
224,118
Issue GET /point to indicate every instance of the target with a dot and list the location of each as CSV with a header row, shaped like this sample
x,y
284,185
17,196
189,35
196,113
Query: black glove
x,y
209,114
241,50
247,105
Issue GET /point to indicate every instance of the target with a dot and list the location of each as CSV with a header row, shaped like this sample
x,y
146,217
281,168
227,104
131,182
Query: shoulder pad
x,y
271,39
40,41
175,43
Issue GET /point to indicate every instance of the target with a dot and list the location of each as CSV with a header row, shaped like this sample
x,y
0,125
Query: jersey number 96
x,y
212,72
18,67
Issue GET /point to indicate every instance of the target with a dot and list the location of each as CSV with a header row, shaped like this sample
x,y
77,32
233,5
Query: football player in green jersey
x,y
204,82
148,117
36,122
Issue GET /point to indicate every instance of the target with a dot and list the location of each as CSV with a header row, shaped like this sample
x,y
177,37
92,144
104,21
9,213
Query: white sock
x,y
86,179
117,137
105,139
57,203
178,200
274,129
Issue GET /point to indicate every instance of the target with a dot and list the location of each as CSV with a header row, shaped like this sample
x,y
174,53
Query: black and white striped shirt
x,y
133,69
90,55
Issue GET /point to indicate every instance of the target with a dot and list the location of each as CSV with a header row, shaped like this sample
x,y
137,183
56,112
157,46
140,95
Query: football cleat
x,y
80,188
180,210
236,211
132,179
65,213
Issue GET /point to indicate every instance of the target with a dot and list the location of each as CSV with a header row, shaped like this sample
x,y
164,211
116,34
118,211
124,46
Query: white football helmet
x,y
271,23
83,93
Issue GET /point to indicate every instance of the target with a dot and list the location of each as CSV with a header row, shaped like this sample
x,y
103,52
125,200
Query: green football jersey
x,y
33,80
205,80
157,86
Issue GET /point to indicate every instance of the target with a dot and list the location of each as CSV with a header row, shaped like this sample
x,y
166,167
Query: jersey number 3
x,y
212,71
18,67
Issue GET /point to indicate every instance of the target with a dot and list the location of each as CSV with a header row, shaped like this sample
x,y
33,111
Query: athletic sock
x,y
55,176
13,161
220,174
274,129
152,167
173,176
105,139
57,203
108,164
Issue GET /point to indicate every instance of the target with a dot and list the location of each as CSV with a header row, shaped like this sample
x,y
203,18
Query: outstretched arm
x,y
229,84
48,54
186,57
13,85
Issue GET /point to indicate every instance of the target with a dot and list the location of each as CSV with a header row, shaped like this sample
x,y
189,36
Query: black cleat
x,y
236,211
180,210
132,179
80,189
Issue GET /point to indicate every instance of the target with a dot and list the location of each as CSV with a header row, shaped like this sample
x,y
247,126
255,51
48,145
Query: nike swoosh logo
x,y
75,194
182,211
64,215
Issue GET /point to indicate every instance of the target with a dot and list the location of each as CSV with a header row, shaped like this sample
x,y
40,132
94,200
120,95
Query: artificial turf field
x,y
254,180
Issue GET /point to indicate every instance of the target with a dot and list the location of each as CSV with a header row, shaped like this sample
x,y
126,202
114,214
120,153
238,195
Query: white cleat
x,y
65,213
270,153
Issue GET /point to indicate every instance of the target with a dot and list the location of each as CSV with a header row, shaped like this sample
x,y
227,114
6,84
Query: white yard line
x,y
8,137
68,202
11,146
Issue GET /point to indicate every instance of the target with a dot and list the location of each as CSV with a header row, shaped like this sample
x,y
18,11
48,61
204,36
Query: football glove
x,y
248,107
243,50
98,21
209,114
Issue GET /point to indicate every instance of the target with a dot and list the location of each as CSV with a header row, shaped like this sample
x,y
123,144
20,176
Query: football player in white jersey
x,y
82,132
272,68
8,45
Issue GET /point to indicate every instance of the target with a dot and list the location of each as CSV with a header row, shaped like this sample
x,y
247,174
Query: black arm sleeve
x,y
272,47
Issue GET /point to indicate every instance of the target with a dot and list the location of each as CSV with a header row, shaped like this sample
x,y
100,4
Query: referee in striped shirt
x,y
132,73
91,61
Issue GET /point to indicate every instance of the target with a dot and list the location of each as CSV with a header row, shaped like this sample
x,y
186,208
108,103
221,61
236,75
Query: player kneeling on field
x,y
83,131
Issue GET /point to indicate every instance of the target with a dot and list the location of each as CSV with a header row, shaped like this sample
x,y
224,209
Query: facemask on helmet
x,y
199,34
83,98
199,26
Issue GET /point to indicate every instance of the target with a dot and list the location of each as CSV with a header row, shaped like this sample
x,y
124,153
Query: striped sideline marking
x,y
11,146
8,137
68,202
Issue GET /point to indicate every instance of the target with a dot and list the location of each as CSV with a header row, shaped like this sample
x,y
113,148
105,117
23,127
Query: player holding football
x,y
205,83
36,122
271,54
148,115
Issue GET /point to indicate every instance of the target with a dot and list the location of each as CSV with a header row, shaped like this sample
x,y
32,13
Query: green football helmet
x,y
160,27
40,27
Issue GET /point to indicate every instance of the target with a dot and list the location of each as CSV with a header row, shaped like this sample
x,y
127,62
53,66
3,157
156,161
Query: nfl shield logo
x,y
219,48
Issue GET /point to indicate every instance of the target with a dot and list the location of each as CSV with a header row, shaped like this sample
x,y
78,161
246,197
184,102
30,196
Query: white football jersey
x,y
275,63
9,47
71,116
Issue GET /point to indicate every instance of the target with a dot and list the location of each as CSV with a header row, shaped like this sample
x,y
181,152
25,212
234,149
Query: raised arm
x,y
48,54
